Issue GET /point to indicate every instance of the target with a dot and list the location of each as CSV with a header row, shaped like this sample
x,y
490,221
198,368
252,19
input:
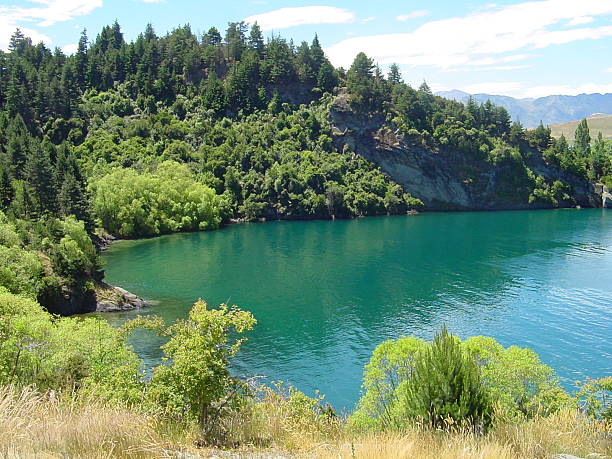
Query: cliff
x,y
444,179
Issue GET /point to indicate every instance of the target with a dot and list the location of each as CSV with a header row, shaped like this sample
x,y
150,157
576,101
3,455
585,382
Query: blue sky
x,y
511,47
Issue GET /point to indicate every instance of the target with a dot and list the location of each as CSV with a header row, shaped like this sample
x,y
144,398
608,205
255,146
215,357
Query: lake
x,y
325,293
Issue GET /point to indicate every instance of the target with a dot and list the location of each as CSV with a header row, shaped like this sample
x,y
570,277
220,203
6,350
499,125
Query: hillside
x,y
597,123
550,109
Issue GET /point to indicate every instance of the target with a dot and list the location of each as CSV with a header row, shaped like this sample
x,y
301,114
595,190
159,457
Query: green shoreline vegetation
x,y
180,133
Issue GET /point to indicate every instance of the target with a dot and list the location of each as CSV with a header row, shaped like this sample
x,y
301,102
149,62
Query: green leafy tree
x,y
196,382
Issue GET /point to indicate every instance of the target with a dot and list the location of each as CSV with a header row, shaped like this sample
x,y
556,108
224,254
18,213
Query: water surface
x,y
325,293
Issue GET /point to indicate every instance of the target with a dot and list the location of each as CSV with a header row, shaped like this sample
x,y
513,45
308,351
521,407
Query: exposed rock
x,y
564,456
116,299
442,178
606,198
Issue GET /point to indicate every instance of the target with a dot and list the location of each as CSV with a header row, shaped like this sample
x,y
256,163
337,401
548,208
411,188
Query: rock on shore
x,y
115,299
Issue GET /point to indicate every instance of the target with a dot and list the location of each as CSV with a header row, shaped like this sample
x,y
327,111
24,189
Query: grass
x,y
48,426
597,123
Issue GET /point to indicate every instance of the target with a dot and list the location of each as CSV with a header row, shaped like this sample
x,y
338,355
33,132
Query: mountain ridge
x,y
553,109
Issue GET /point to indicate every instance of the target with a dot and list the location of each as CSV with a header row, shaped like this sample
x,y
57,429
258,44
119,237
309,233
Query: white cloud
x,y
459,41
290,17
413,15
581,20
70,49
48,13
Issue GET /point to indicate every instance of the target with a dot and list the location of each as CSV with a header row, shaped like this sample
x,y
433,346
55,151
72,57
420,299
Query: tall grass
x,y
49,426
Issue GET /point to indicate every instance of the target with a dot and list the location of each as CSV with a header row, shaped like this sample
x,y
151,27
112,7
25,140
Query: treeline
x,y
237,72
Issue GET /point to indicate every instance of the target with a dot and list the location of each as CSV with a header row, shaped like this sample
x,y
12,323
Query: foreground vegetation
x,y
38,425
74,386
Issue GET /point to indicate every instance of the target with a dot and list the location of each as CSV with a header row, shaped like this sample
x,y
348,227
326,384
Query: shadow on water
x,y
326,293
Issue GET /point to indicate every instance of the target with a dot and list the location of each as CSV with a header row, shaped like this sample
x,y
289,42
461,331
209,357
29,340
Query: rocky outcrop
x,y
101,298
606,197
444,179
115,299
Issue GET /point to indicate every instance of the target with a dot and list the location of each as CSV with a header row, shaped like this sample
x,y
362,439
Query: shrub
x,y
196,383
445,388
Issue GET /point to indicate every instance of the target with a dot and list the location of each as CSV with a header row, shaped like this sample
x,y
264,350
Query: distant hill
x,y
597,123
550,109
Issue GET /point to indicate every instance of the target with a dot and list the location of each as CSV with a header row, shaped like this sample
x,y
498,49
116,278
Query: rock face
x,y
103,298
444,179
606,198
115,299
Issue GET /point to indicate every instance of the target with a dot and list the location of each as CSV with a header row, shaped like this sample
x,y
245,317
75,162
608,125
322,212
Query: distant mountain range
x,y
550,109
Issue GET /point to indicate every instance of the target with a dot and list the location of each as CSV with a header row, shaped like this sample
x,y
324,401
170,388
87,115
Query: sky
x,y
510,47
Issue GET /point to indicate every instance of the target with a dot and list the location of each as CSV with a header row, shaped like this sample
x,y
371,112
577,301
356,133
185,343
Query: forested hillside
x,y
186,132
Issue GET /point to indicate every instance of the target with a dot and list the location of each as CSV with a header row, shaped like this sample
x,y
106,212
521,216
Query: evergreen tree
x,y
6,188
72,200
395,75
256,40
39,177
235,40
582,143
212,37
446,386
213,95
317,54
80,59
327,78
360,82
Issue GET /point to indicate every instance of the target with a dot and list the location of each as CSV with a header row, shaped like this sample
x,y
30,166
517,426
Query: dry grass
x,y
564,433
43,426
33,425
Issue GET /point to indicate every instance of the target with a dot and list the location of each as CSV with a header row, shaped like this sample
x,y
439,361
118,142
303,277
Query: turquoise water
x,y
325,293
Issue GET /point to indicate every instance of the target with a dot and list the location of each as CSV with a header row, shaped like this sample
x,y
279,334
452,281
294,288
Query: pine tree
x,y
6,188
17,145
256,40
80,60
582,143
317,54
213,95
40,178
445,389
395,75
361,83
327,78
72,200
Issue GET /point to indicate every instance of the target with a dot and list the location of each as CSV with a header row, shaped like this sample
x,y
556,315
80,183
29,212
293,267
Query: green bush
x,y
64,354
196,383
445,388
516,381
169,199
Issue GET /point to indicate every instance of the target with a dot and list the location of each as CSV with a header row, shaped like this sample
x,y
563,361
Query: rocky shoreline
x,y
110,298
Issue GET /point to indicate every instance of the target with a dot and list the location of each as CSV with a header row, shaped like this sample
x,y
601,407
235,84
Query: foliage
x,y
514,378
89,354
445,388
196,382
595,396
169,199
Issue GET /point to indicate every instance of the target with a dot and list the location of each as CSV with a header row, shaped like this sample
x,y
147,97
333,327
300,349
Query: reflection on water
x,y
326,293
